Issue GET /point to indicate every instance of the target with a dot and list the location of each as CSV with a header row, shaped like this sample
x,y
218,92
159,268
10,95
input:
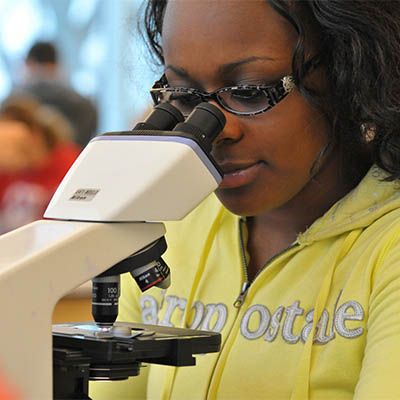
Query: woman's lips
x,y
236,176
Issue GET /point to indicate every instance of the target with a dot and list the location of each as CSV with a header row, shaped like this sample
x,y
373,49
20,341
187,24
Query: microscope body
x,y
102,213
39,264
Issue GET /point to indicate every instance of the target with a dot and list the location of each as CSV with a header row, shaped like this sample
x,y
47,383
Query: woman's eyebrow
x,y
222,69
229,67
178,71
182,73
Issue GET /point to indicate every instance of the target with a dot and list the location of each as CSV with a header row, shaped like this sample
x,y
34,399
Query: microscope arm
x,y
40,263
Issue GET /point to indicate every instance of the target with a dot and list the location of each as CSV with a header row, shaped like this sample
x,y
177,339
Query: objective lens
x,y
105,295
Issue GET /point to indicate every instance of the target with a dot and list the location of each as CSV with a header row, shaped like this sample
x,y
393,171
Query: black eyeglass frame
x,y
274,93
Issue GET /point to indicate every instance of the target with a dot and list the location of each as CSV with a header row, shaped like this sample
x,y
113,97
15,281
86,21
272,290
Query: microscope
x,y
103,221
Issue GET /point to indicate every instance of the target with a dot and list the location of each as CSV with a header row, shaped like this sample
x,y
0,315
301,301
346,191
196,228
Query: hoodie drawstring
x,y
171,372
301,387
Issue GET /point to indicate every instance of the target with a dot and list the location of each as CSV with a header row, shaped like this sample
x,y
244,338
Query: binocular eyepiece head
x,y
204,123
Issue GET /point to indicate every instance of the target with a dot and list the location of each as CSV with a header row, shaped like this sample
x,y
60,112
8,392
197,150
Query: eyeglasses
x,y
238,100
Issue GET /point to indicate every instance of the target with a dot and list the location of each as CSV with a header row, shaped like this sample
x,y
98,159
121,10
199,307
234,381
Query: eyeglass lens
x,y
239,100
244,100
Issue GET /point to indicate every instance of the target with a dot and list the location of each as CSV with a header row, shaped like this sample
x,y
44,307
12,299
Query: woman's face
x,y
266,158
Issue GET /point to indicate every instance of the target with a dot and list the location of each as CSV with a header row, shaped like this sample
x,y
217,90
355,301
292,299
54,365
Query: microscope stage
x,y
129,342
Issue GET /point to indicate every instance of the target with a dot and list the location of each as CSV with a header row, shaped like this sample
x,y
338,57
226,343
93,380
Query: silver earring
x,y
368,131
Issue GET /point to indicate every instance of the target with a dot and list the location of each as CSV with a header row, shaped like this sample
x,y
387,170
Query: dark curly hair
x,y
359,49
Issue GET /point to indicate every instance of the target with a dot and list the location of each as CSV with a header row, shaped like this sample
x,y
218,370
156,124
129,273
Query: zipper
x,y
247,283
242,295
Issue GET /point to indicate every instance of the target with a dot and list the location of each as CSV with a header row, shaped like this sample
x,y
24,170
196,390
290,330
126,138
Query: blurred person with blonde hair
x,y
36,150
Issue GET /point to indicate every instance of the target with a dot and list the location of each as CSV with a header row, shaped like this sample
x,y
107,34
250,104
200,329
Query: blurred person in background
x,y
8,390
43,81
36,151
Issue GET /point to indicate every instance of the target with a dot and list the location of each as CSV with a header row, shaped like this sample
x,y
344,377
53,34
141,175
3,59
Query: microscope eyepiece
x,y
200,117
205,122
163,117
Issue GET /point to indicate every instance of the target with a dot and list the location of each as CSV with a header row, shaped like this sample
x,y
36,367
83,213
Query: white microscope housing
x,y
105,209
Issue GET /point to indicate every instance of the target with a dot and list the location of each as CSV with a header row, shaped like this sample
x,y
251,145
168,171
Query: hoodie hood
x,y
367,202
370,200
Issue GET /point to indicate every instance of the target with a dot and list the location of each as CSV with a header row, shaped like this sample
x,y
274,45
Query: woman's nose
x,y
232,131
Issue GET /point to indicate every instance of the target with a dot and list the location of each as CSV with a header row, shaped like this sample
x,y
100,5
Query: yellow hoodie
x,y
344,269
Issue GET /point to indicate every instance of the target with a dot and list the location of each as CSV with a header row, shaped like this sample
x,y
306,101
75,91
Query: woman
x,y
296,261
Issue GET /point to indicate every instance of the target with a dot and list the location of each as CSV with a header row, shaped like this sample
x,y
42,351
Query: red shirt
x,y
24,196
